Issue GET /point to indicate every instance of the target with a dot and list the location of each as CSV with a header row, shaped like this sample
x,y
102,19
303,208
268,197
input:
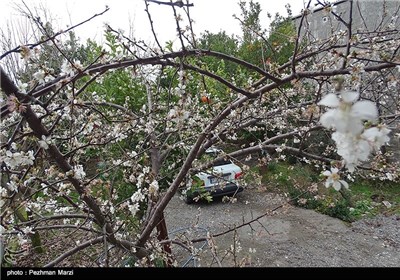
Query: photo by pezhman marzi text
x,y
10,272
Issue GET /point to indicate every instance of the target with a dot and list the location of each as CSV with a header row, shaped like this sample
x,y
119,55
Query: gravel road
x,y
289,237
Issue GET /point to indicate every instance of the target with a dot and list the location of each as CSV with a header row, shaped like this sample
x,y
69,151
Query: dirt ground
x,y
289,237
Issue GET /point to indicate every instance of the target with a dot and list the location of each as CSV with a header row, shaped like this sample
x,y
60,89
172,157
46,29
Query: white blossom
x,y
133,208
351,148
28,230
15,159
153,188
334,179
68,69
40,76
172,113
376,136
3,192
347,117
354,142
12,186
2,201
22,86
44,143
78,172
389,176
137,196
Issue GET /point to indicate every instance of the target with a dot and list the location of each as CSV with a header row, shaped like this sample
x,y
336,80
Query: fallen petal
x,y
387,204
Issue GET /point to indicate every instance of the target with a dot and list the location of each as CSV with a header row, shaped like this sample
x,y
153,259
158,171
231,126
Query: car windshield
x,y
215,154
222,162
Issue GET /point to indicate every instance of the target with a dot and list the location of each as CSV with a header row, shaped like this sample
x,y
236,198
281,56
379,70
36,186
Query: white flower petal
x,y
328,120
330,100
327,173
43,144
354,127
385,130
364,110
376,137
344,183
336,185
327,184
334,170
349,96
363,148
371,133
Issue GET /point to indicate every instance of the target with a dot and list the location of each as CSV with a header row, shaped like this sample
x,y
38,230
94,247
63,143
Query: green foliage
x,y
339,209
252,48
252,52
362,208
24,216
111,41
247,136
281,41
258,48
250,20
119,86
92,51
222,43
364,198
369,196
290,173
196,191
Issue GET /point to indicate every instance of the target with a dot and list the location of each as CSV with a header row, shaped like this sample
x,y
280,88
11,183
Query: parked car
x,y
220,180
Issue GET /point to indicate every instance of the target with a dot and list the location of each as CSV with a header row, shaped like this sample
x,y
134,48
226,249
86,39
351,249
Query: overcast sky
x,y
212,15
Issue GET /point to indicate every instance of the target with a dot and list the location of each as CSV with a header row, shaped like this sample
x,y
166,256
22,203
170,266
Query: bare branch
x,y
178,3
74,251
31,46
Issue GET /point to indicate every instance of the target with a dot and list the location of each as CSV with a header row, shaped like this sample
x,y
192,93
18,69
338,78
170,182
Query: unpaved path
x,y
289,237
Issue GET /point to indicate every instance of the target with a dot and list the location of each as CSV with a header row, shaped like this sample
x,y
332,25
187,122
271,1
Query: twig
x,y
211,243
296,46
57,217
31,46
74,250
235,228
151,24
178,3
178,27
105,246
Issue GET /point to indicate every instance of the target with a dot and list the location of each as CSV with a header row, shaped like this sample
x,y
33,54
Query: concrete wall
x,y
368,15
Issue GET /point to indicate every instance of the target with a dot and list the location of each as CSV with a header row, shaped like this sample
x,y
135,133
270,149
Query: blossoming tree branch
x,y
98,138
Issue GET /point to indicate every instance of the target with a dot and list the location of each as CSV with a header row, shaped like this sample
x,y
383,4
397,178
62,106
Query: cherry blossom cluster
x,y
355,140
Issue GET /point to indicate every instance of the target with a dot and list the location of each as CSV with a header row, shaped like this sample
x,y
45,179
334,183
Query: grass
x,y
303,184
369,197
